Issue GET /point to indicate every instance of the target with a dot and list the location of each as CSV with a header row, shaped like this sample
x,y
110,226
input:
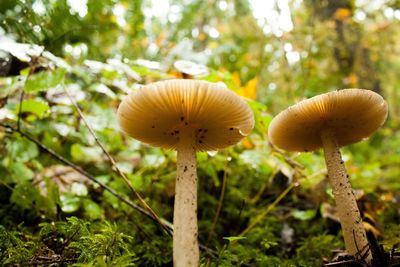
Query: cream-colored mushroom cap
x,y
351,114
158,112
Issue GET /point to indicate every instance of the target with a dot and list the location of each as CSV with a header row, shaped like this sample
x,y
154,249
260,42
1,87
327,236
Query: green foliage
x,y
312,250
36,107
22,150
43,80
108,243
48,210
13,249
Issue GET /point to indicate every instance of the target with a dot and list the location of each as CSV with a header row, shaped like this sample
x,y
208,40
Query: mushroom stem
x,y
355,238
185,243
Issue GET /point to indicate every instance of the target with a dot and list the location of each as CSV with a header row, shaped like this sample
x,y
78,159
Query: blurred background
x,y
257,206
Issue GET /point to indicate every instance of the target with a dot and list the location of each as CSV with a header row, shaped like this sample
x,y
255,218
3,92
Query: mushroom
x,y
330,121
189,116
190,69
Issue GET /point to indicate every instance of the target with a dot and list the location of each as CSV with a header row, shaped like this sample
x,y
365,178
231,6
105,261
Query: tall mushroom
x,y
330,121
189,116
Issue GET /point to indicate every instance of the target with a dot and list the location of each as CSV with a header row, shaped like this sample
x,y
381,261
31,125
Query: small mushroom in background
x,y
190,69
330,121
189,116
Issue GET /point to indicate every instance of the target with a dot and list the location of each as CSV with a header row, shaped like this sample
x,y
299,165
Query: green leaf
x,y
44,80
304,215
37,107
85,154
269,244
103,89
69,203
25,195
92,209
79,189
22,150
19,172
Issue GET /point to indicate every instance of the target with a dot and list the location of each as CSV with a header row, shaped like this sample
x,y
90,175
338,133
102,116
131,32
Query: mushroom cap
x,y
351,114
157,112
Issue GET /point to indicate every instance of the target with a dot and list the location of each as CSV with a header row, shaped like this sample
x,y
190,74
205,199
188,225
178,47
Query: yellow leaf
x,y
247,57
221,28
161,38
213,45
236,79
342,13
250,89
202,36
247,144
351,80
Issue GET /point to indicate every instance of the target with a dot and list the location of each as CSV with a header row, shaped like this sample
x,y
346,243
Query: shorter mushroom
x,y
189,69
189,116
330,121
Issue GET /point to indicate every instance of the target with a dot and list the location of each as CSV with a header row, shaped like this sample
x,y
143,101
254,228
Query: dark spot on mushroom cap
x,y
341,162
200,141
186,123
205,130
231,129
153,126
182,118
176,131
200,130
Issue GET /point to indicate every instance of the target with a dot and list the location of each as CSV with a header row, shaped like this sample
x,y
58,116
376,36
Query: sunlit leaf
x,y
250,89
92,209
21,149
85,154
23,52
103,89
37,107
304,215
69,203
79,189
59,96
44,80
20,172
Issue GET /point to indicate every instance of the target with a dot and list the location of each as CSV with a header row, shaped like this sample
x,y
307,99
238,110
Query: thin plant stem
x,y
83,172
115,166
220,201
268,209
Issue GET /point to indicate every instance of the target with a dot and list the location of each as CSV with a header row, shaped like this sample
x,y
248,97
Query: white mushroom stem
x,y
355,238
185,243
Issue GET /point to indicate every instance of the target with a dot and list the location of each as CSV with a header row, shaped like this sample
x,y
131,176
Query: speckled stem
x,y
185,243
354,234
